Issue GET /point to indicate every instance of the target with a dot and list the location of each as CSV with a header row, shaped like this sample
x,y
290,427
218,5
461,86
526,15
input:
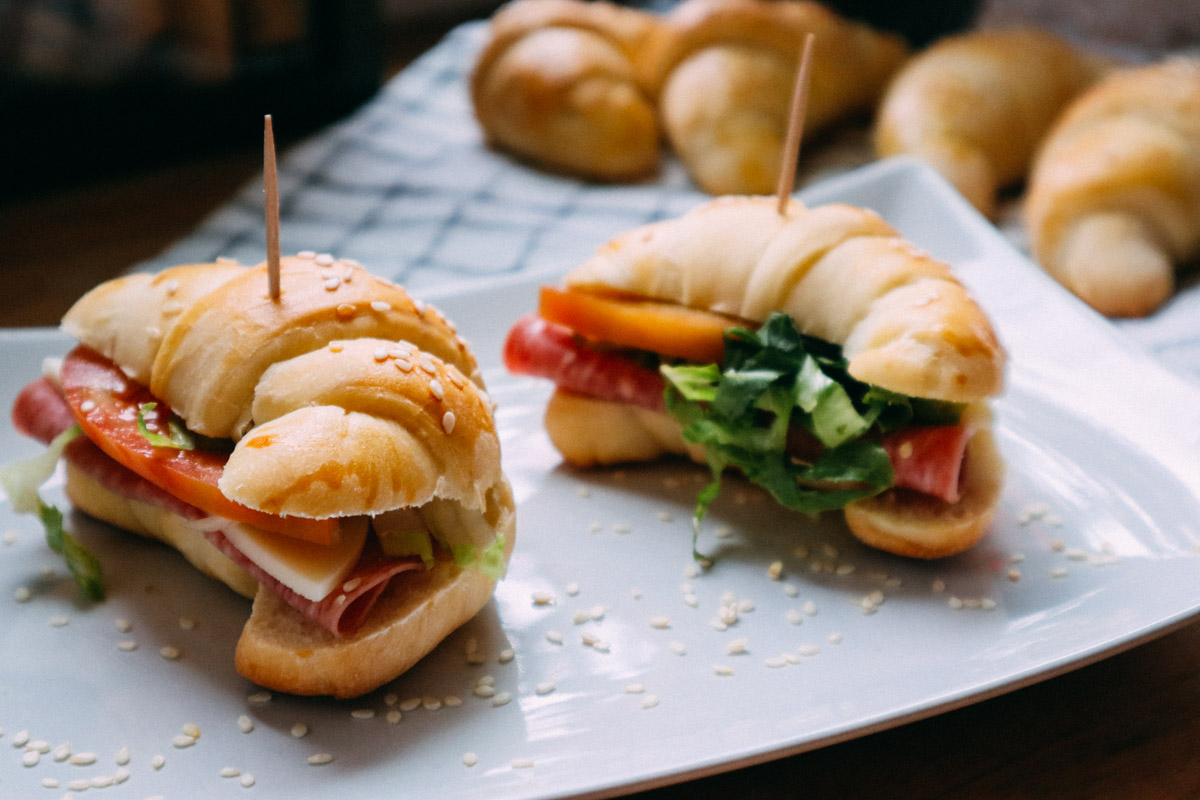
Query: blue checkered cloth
x,y
407,187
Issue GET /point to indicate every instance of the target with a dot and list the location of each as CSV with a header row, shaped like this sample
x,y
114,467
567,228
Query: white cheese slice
x,y
310,570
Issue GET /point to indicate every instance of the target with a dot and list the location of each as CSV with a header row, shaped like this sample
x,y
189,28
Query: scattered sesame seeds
x,y
393,717
431,703
411,704
122,757
82,759
351,585
318,759
955,603
182,740
775,571
331,284
650,701
595,527
435,388
22,594
157,762
808,650
737,646
299,730
678,648
1058,572
448,420
79,785
554,637
245,724
346,310
722,670
501,699
380,354
324,259
572,589
187,624
127,645
30,758
581,616
660,622
665,516
59,621
259,697
50,783
362,713
622,527
1058,545
470,759
774,662
834,638
1014,575
229,772
169,653
522,763
247,780
506,655
634,688
63,752
484,690
545,687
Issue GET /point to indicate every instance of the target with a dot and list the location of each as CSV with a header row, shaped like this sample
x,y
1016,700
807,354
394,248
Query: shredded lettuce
x,y
21,481
410,542
777,379
180,437
488,561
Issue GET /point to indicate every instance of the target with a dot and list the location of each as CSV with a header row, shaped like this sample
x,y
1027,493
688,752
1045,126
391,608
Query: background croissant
x,y
725,71
1114,197
975,106
558,83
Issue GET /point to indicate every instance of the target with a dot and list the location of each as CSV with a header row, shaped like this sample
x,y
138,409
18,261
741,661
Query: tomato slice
x,y
665,328
105,402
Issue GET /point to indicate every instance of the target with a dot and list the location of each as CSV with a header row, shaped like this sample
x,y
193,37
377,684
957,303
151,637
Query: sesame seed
x,y
470,759
1076,554
794,617
411,704
299,730
634,688
1058,572
63,752
810,608
621,527
122,757
169,653
501,699
506,656
554,637
351,585
448,420
665,516
581,616
1014,575
418,306
1058,545
229,772
598,613
325,259
808,650
346,310
307,254
59,621
834,638
955,603
722,670
182,740
82,759
737,646
319,759
650,701
40,746
425,362
380,306
380,354
678,648
157,762
589,639
245,724
127,646
660,622
404,365
50,783
572,589
247,780
31,758
601,646
718,625
171,286
484,690
331,284
431,703
545,687
393,717
775,571
362,713
775,662
522,763
22,594
691,600
79,785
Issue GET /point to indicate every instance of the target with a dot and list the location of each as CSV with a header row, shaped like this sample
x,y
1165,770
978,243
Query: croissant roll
x,y
726,70
841,272
975,106
1114,196
558,83
190,360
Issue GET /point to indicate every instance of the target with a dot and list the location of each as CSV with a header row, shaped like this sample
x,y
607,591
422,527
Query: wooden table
x,y
1126,727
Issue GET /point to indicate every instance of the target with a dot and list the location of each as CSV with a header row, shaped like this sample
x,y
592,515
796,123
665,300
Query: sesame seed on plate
x,y
411,704
393,717
362,713
22,594
318,759
50,783
168,652
775,571
182,740
794,617
506,655
737,646
775,662
522,763
660,622
59,621
127,645
650,701
79,785
501,699
82,759
1058,572
808,650
722,670
62,752
229,772
30,758
431,703
834,638
634,688
247,780
259,697
299,730
545,687
157,762
470,759
245,724
554,637
484,690
581,616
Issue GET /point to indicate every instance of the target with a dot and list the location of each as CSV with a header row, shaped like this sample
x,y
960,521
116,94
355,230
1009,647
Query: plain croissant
x,y
725,71
558,83
975,106
1114,196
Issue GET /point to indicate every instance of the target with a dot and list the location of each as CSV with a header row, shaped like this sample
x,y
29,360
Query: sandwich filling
x,y
776,404
331,570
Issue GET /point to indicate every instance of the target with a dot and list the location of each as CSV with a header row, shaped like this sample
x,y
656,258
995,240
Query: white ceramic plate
x,y
1094,550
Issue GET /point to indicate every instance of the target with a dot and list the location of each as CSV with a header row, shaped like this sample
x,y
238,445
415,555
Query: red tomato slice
x,y
668,329
106,404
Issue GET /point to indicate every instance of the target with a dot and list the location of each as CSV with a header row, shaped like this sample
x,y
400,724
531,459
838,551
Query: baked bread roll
x,y
558,83
726,69
842,274
343,402
976,105
1114,196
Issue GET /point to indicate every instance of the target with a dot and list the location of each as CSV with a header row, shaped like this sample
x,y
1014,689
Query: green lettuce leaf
x,y
775,379
488,561
21,481
180,437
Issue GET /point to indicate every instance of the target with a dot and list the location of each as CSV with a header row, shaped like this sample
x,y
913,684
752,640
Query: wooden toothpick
x,y
791,148
271,187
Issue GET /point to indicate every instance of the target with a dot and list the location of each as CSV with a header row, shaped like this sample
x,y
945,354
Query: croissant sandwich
x,y
330,453
816,351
